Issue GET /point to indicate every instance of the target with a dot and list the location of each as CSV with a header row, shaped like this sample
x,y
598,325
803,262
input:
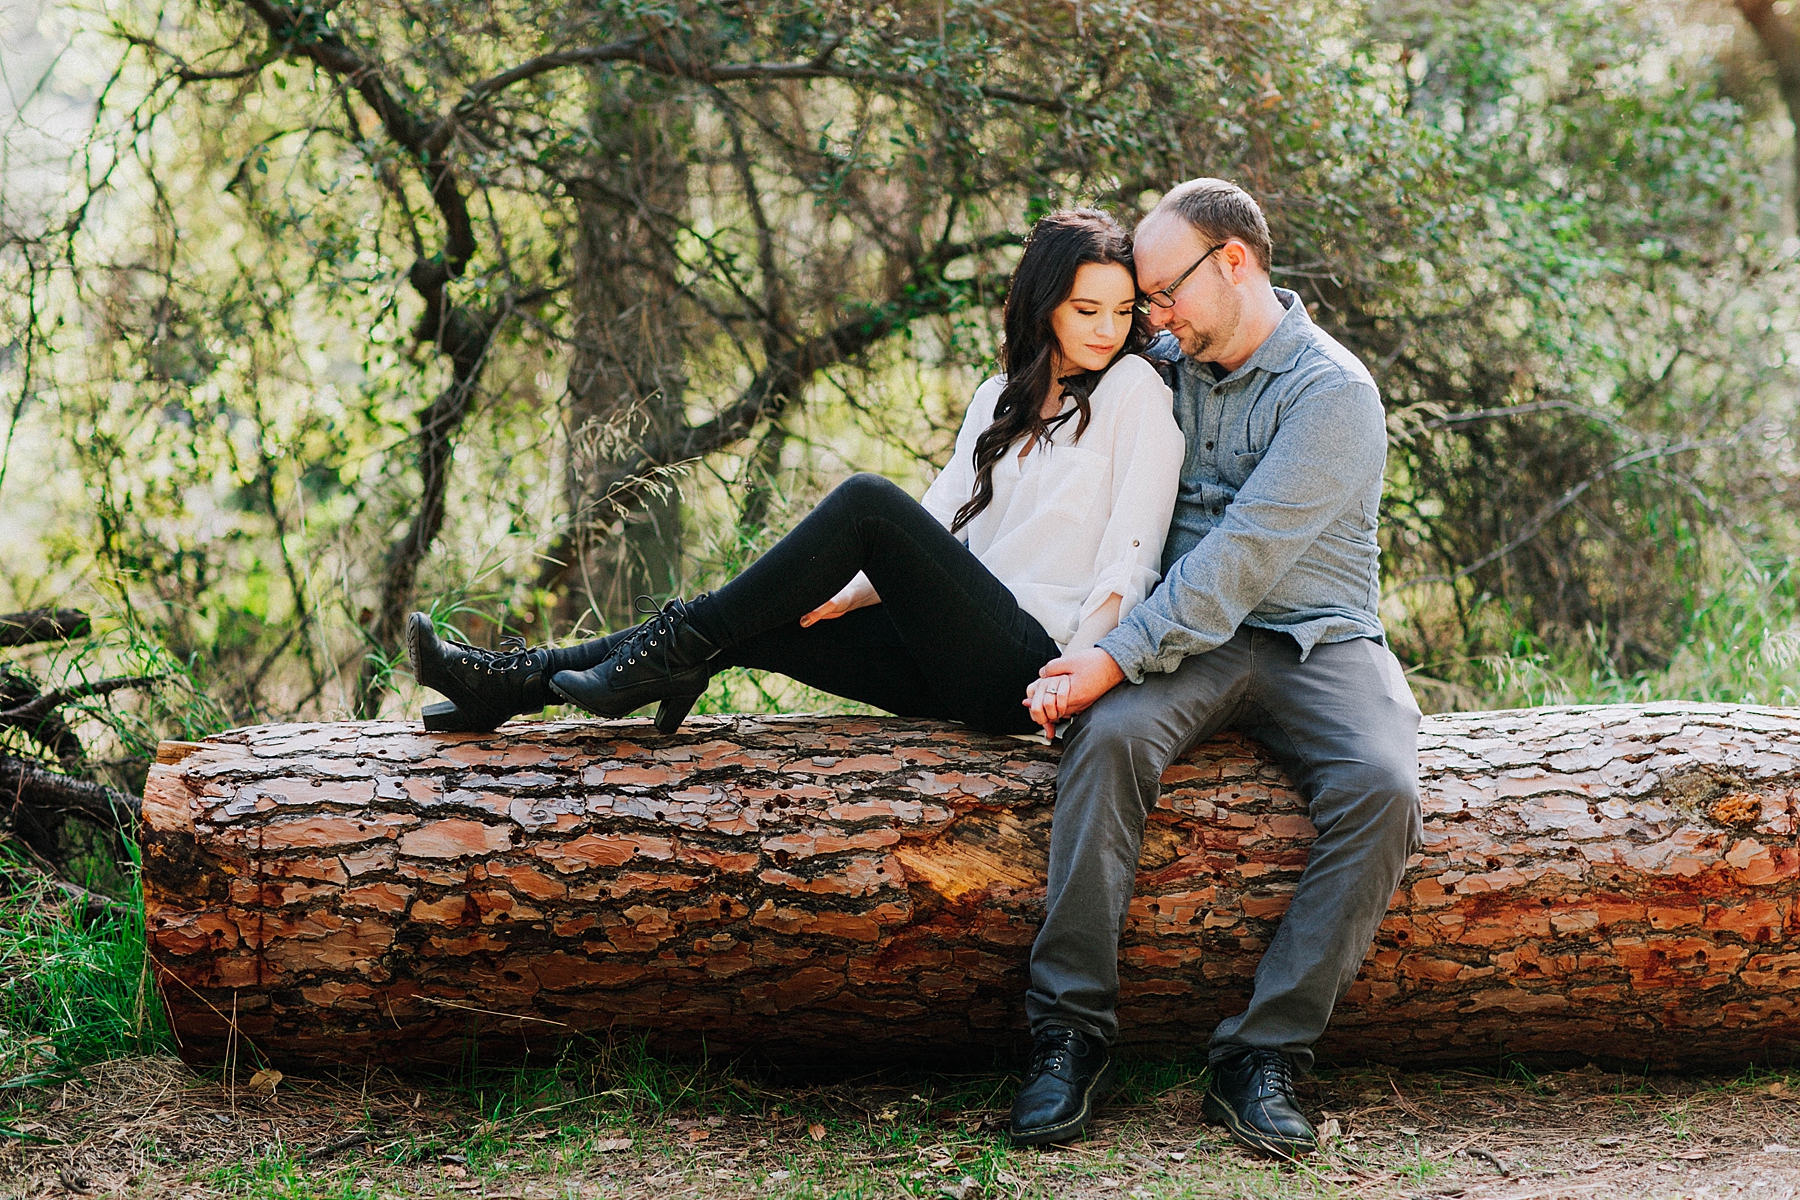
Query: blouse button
x,y
1134,543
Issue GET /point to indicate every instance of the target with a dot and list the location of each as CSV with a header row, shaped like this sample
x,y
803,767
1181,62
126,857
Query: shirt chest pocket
x,y
1247,439
1072,483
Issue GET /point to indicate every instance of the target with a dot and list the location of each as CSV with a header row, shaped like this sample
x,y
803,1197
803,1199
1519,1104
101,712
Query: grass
x,y
1741,645
614,1119
70,993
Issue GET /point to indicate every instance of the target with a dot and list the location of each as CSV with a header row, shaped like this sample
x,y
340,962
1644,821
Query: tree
x,y
700,213
1779,40
518,310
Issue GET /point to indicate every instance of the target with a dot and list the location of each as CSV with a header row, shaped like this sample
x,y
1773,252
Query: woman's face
x,y
1095,320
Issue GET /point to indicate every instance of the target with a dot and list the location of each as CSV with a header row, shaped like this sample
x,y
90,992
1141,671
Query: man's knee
x,y
1117,743
1381,793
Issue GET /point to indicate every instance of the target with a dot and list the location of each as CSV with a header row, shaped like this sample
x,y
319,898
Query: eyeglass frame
x,y
1168,293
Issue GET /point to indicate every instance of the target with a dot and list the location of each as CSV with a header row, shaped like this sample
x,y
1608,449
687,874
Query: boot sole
x,y
671,711
1221,1113
1097,1091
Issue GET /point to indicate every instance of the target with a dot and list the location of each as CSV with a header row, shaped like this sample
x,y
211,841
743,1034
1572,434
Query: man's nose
x,y
1159,317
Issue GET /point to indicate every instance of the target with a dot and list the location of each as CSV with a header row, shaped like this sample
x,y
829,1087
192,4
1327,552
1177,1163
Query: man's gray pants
x,y
1345,727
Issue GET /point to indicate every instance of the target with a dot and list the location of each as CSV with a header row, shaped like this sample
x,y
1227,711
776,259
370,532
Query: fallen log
x,y
1614,883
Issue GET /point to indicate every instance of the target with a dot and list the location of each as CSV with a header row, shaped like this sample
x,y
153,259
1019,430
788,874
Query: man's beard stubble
x,y
1198,342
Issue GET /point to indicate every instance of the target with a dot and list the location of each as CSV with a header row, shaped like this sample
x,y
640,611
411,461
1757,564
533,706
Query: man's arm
x,y
1329,448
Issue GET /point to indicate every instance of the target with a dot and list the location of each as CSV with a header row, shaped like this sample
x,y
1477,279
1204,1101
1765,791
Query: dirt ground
x,y
150,1127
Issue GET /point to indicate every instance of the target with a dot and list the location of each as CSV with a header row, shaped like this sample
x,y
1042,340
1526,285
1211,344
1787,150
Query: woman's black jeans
x,y
947,640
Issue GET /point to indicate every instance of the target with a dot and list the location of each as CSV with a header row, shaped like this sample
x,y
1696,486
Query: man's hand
x,y
1068,685
858,593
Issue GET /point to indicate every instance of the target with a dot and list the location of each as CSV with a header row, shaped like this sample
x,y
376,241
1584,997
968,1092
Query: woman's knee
x,y
868,492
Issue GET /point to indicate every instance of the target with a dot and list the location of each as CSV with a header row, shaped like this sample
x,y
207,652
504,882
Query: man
x,y
1265,622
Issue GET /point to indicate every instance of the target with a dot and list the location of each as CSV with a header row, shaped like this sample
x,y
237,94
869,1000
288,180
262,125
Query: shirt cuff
x,y
1130,580
1131,650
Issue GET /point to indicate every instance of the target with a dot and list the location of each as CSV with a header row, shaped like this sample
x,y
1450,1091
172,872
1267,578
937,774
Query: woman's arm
x,y
1102,621
1146,451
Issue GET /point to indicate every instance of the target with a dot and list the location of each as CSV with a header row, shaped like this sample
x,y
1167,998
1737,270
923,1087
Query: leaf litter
x,y
150,1127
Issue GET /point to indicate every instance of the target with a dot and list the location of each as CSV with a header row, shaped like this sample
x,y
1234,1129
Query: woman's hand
x,y
1068,685
858,593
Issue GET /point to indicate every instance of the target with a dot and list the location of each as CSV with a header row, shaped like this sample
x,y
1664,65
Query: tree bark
x,y
628,370
1616,883
42,625
1781,42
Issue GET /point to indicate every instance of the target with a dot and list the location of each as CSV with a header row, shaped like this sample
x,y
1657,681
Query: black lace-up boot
x,y
1069,1075
666,658
487,687
1252,1095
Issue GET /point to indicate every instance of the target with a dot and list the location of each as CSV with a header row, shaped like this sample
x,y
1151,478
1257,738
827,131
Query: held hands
x,y
858,593
1068,685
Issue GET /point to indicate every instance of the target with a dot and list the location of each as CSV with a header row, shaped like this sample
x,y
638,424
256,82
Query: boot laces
x,y
513,653
655,632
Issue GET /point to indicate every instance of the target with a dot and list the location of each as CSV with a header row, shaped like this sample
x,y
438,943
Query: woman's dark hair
x,y
1059,244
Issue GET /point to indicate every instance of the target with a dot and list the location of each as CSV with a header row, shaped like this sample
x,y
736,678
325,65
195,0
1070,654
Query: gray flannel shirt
x,y
1280,493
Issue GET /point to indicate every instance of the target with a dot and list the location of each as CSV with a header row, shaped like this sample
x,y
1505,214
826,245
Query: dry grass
x,y
149,1127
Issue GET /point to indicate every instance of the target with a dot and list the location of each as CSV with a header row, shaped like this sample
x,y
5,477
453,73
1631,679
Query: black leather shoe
x,y
486,687
663,659
1252,1095
1069,1075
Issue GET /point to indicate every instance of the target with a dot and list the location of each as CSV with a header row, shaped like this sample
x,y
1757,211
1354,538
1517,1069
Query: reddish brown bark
x,y
1613,882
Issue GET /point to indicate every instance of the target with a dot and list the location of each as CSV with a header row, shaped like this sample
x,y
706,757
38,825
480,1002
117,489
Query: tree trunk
x,y
1608,882
1776,34
627,374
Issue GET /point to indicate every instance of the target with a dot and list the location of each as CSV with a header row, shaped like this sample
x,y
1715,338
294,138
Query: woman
x,y
1044,530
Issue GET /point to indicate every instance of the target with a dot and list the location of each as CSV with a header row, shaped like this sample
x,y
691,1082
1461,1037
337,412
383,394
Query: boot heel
x,y
446,717
673,711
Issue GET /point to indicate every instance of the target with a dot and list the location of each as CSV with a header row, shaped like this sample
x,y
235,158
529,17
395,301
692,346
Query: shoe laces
x,y
1051,1051
1273,1071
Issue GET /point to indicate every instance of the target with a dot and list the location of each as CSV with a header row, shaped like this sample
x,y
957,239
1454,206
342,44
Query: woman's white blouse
x,y
1074,522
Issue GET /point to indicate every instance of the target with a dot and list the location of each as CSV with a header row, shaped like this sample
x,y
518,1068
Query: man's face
x,y
1207,307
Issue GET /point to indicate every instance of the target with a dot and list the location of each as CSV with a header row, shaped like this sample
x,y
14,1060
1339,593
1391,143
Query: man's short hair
x,y
1220,210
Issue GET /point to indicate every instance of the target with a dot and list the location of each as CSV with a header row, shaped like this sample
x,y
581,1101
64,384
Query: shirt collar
x,y
1282,348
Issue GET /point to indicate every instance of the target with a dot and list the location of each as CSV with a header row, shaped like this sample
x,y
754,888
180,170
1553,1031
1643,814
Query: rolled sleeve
x,y
1329,449
1147,455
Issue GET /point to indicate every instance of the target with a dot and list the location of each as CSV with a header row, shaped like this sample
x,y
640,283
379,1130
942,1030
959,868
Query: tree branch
x,y
645,53
1781,43
26,786
42,625
1542,518
37,708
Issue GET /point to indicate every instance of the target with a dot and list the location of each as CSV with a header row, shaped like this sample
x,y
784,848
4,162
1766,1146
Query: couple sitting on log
x,y
1023,592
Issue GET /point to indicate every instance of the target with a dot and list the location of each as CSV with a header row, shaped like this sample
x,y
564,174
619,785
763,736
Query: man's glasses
x,y
1165,297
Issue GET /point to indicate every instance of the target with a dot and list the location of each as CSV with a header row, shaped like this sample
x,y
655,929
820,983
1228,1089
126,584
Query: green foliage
x,y
1742,646
1599,386
1549,228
